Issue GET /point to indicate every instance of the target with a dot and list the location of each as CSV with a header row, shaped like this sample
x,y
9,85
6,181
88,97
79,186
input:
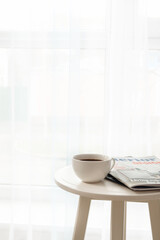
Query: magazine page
x,y
137,173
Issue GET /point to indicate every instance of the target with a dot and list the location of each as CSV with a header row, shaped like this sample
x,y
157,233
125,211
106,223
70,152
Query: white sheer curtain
x,y
73,78
127,80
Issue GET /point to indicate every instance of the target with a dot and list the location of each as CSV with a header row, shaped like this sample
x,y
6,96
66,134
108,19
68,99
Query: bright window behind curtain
x,y
57,98
38,71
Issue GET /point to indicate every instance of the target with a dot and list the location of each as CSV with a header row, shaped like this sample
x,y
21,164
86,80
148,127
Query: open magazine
x,y
137,173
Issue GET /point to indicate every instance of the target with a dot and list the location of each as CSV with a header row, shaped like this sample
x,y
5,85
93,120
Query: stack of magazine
x,y
137,173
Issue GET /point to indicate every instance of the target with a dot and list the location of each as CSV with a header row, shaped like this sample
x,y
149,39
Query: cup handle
x,y
113,163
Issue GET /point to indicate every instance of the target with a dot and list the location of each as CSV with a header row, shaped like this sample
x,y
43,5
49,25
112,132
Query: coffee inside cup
x,y
90,160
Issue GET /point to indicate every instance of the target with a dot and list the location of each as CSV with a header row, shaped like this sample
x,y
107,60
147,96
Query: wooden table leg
x,y
81,219
118,220
154,210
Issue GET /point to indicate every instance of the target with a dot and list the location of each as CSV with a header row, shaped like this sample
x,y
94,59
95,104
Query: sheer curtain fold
x,y
74,84
128,79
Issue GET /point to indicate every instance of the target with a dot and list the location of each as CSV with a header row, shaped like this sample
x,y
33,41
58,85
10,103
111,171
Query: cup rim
x,y
94,156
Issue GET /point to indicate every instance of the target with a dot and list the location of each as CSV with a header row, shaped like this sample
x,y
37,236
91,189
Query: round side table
x,y
107,190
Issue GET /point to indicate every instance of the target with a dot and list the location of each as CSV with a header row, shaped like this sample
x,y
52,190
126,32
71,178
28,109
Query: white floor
x,y
131,235
41,233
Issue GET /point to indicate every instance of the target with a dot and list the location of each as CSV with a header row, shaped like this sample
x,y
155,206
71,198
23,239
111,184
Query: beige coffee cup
x,y
92,167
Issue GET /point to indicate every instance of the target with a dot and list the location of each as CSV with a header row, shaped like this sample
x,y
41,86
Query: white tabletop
x,y
66,179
